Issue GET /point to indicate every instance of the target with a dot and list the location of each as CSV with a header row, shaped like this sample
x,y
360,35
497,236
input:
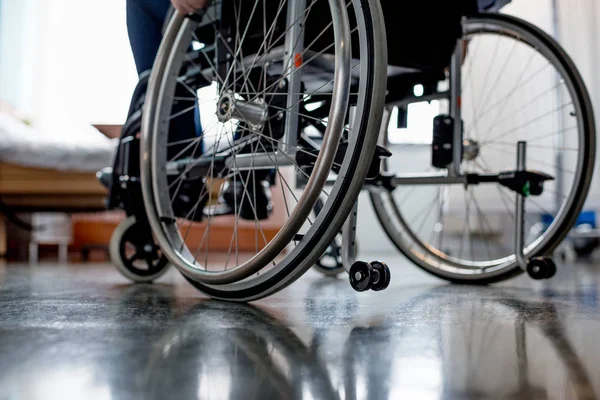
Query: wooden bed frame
x,y
24,189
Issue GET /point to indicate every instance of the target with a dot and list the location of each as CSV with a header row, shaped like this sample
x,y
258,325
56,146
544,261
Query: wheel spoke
x,y
136,256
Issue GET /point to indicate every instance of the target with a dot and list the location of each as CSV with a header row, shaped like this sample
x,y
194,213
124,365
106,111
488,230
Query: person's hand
x,y
188,6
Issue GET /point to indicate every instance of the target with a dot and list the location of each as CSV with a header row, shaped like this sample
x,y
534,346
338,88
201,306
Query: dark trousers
x,y
145,21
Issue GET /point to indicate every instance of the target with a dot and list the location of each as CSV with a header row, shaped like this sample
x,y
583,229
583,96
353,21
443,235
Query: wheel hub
x,y
471,149
255,113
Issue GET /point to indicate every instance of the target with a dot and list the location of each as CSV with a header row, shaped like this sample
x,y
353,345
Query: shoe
x,y
253,203
105,177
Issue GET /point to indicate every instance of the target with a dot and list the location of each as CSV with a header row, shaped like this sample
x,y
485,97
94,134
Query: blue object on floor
x,y
585,218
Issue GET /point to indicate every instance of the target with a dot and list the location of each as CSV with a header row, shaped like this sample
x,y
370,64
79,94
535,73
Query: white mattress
x,y
69,148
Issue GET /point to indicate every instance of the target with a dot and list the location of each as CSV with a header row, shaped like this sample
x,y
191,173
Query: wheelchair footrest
x,y
526,183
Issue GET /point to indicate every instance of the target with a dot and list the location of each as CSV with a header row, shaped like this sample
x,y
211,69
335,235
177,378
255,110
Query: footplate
x,y
523,182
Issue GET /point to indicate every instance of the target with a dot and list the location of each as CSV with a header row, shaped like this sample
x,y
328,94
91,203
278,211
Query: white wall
x,y
579,34
64,61
18,36
538,12
87,72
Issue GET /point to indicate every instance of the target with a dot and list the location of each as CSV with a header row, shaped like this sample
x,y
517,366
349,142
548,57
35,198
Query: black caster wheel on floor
x,y
541,268
382,276
133,251
361,276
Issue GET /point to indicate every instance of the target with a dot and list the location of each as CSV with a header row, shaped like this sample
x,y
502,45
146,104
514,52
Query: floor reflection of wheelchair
x,y
246,352
292,101
461,348
250,355
454,340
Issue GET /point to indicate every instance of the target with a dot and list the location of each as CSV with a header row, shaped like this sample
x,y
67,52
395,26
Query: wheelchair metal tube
x,y
424,179
428,179
455,108
520,207
559,140
349,239
245,162
276,54
214,165
294,47
385,125
349,228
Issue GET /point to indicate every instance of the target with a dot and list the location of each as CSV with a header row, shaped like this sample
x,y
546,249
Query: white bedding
x,y
69,148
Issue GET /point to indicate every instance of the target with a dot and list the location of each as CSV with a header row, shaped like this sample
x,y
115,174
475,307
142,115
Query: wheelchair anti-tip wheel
x,y
134,253
514,83
541,268
274,82
365,276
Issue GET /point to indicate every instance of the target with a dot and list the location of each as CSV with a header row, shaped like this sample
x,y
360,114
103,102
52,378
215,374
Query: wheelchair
x,y
299,98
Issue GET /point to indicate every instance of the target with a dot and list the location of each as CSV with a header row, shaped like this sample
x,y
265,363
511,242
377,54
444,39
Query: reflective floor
x,y
82,332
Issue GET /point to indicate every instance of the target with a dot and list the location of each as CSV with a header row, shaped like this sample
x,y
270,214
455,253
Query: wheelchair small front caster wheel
x,y
361,276
541,268
134,253
382,276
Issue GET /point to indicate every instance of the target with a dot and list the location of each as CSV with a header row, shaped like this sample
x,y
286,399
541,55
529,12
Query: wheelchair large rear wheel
x,y
244,65
517,84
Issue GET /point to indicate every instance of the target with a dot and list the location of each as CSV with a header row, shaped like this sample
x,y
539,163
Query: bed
x,y
49,171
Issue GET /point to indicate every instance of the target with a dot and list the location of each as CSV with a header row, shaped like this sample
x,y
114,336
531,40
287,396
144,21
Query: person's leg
x,y
145,21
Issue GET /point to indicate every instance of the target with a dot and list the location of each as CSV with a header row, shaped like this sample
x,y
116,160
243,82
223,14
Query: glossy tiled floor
x,y
81,332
